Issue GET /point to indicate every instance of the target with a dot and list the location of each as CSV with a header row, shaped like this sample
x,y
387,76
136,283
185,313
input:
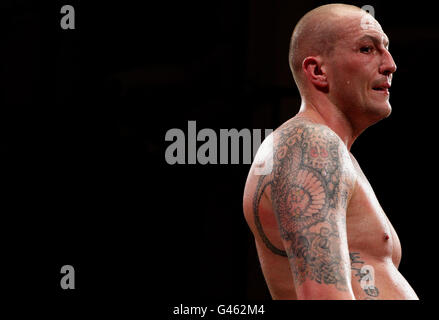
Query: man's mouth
x,y
382,89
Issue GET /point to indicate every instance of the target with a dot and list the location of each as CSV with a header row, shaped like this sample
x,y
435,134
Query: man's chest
x,y
368,228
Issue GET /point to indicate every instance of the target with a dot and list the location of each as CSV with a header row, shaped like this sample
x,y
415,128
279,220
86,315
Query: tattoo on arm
x,y
308,193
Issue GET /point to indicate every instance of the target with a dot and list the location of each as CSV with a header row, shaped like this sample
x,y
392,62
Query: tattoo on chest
x,y
306,190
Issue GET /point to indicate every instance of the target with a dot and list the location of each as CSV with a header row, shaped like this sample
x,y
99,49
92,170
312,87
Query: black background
x,y
84,114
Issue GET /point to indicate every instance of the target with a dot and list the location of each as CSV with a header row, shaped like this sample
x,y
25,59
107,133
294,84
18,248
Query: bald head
x,y
317,33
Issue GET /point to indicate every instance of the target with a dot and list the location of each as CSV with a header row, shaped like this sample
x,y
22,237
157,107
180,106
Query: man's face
x,y
360,70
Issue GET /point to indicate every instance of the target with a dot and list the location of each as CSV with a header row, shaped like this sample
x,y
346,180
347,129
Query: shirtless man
x,y
320,232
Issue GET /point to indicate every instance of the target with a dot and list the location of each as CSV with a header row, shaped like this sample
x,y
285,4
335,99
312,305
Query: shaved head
x,y
317,33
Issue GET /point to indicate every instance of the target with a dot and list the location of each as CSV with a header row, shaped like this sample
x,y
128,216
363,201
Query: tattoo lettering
x,y
365,276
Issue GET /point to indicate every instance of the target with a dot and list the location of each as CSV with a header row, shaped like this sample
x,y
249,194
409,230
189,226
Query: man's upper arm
x,y
311,186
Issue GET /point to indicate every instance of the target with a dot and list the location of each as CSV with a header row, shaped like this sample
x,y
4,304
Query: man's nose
x,y
388,66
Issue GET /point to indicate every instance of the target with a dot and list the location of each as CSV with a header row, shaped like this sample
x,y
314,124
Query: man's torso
x,y
374,247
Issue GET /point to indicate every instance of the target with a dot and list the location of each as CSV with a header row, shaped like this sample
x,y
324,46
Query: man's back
x,y
319,229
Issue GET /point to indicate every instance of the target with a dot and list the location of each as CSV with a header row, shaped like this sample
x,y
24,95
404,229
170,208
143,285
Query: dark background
x,y
84,114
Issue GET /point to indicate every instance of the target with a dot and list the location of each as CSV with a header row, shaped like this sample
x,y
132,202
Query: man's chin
x,y
387,110
380,112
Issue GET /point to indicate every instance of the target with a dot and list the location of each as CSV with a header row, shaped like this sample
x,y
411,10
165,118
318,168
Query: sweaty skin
x,y
319,229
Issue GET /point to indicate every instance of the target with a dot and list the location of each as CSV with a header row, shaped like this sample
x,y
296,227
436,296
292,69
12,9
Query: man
x,y
320,232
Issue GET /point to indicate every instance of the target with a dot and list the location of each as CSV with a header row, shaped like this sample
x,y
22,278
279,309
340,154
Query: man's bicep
x,y
309,197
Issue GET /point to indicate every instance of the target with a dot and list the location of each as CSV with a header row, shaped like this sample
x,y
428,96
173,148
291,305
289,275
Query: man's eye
x,y
366,49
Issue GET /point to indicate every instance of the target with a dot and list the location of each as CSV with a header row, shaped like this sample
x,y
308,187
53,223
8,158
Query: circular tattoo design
x,y
305,204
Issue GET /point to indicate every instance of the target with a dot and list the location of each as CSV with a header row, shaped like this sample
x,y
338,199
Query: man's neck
x,y
330,116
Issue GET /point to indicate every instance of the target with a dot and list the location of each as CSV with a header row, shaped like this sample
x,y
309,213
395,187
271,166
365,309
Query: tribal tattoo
x,y
308,190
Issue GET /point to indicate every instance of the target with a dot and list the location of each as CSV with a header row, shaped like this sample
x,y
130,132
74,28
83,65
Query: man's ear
x,y
312,66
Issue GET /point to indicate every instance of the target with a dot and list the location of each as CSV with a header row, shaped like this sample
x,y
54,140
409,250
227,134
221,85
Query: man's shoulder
x,y
302,144
304,130
310,158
